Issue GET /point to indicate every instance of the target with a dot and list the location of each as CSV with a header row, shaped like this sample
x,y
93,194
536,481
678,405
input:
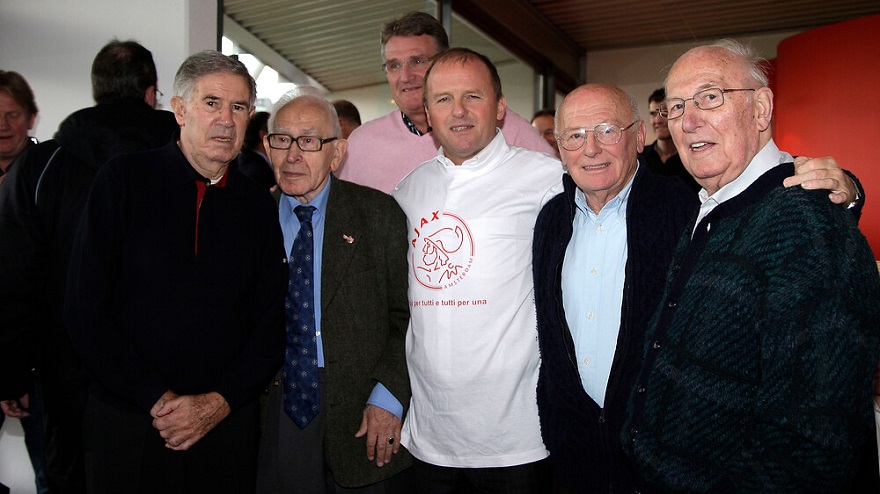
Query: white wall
x,y
640,71
52,44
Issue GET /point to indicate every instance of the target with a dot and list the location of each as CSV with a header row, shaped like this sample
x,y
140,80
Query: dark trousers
x,y
292,459
34,437
530,478
124,453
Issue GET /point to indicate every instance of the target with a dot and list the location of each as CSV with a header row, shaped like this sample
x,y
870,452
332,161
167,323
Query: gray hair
x,y
309,93
753,63
206,63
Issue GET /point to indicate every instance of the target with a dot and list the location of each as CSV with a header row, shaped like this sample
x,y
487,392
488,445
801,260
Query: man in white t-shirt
x,y
471,347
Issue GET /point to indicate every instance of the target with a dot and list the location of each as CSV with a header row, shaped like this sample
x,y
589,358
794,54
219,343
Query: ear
x,y
31,120
341,146
643,132
501,111
179,107
763,108
150,96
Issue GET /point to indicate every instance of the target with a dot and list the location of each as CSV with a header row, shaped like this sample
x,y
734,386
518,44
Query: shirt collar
x,y
412,127
288,203
767,158
496,147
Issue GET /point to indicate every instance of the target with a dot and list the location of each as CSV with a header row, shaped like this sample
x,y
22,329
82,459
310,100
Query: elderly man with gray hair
x,y
175,300
757,365
335,409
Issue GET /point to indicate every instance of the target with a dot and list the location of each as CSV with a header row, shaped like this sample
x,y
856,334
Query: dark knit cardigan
x,y
758,363
583,439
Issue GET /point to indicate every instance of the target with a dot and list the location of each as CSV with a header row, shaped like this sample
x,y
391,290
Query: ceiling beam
x,y
522,30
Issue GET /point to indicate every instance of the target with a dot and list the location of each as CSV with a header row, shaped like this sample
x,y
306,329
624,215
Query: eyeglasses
x,y
706,99
395,66
606,134
305,143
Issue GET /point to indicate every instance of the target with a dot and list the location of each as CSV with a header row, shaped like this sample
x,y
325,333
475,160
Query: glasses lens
x,y
607,134
572,140
309,143
674,108
709,98
279,141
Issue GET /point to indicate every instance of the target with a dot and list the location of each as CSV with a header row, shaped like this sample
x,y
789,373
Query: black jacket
x,y
583,439
40,205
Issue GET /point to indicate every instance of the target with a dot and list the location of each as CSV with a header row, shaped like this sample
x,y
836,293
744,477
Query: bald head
x,y
600,170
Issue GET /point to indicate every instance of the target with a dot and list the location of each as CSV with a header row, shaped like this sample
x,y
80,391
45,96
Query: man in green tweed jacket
x,y
758,363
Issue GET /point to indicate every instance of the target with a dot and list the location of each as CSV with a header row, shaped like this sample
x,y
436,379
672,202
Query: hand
x,y
380,426
17,409
184,420
823,173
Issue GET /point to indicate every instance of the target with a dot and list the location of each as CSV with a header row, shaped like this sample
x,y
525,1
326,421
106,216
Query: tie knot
x,y
304,213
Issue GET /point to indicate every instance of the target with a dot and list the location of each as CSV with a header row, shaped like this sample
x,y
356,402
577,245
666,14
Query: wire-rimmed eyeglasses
x,y
305,143
706,99
395,66
607,134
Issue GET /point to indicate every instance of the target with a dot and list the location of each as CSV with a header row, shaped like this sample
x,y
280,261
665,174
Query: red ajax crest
x,y
442,251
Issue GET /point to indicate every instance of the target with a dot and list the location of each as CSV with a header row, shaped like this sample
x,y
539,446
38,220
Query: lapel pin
x,y
348,238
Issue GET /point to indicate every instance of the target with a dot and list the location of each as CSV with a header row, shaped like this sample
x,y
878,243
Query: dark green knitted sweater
x,y
758,363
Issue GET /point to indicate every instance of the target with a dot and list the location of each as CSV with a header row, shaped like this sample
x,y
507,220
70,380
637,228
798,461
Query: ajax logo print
x,y
442,250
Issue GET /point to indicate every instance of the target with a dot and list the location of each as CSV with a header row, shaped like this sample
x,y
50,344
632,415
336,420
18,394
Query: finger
x,y
363,429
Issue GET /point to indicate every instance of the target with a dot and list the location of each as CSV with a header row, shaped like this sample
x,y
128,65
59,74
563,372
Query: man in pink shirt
x,y
384,150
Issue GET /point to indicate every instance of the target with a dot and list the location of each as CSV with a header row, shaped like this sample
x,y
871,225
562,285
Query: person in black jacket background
x,y
40,205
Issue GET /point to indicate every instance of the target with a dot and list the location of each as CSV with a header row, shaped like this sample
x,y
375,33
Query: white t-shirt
x,y
472,347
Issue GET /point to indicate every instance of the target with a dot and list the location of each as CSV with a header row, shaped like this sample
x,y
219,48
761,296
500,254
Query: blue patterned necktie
x,y
300,371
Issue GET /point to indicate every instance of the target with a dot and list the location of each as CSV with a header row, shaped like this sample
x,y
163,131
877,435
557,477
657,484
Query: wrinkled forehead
x,y
302,114
703,68
588,108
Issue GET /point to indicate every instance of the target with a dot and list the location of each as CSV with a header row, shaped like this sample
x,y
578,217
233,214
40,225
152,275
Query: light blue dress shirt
x,y
593,275
380,396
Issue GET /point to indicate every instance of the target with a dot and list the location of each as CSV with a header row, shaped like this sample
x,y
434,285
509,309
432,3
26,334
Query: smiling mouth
x,y
595,167
699,146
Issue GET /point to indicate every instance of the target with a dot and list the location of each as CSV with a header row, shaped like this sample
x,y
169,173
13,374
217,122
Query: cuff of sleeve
x,y
383,398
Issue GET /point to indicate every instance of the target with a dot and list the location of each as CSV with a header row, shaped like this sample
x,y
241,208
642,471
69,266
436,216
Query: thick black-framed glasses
x,y
305,143
607,134
706,99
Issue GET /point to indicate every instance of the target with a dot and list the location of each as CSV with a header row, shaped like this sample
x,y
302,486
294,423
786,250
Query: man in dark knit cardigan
x,y
757,364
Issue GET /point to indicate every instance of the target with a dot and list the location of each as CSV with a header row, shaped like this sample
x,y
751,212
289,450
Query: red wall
x,y
828,103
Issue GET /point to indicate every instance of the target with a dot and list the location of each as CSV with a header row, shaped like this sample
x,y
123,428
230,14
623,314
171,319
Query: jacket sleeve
x,y
391,368
97,335
819,346
22,274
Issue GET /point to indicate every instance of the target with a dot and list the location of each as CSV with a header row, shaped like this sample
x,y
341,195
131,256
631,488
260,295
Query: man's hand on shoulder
x,y
382,430
823,173
184,420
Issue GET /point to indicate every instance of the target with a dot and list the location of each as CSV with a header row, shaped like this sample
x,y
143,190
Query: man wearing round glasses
x,y
757,369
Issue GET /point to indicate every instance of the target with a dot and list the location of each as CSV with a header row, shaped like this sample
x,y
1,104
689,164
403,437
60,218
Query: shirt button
x,y
599,229
594,272
586,361
590,316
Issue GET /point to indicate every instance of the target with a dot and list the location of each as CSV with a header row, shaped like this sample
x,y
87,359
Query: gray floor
x,y
15,468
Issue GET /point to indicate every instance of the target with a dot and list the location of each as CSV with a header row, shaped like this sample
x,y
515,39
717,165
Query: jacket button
x,y
640,389
656,345
672,304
